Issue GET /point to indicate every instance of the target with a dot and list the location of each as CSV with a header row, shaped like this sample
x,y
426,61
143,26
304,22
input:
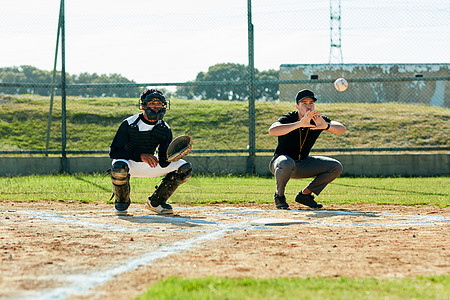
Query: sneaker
x,y
280,202
162,208
307,200
121,206
153,201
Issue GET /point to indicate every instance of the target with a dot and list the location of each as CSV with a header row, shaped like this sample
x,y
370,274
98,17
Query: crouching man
x,y
297,131
133,155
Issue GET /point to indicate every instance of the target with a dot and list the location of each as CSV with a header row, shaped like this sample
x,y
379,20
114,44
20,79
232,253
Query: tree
x,y
30,74
229,72
219,72
223,72
267,91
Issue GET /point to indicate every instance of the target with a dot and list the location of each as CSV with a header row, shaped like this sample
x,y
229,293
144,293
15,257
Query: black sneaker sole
x,y
317,205
308,202
283,207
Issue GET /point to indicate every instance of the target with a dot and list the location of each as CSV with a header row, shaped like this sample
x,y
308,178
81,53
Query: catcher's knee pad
x,y
183,173
120,173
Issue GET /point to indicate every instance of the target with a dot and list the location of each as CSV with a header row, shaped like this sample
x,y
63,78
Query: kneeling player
x,y
133,149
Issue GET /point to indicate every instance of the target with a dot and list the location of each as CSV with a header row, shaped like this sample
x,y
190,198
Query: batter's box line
x,y
435,222
80,284
237,213
45,216
423,219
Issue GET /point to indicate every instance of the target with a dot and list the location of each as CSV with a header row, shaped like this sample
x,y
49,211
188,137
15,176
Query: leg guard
x,y
170,183
120,178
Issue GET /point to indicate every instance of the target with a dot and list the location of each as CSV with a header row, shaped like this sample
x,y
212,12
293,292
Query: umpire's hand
x,y
319,121
150,159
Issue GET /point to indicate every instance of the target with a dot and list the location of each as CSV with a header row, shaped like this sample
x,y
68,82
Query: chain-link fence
x,y
230,71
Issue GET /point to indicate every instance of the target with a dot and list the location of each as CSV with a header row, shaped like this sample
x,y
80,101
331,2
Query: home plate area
x,y
73,250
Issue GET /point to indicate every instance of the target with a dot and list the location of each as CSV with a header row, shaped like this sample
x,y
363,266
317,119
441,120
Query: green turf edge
x,y
209,190
421,287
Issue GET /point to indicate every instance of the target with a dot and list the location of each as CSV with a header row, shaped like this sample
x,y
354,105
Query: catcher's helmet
x,y
153,113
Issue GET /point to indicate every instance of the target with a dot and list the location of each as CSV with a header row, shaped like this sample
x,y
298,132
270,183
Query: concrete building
x,y
371,83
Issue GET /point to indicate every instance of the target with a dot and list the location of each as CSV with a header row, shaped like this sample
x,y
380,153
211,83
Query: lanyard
x,y
302,143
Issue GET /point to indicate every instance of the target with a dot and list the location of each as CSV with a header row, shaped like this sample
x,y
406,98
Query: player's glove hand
x,y
179,148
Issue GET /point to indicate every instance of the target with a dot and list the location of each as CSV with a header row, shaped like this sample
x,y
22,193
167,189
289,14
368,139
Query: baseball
x,y
341,84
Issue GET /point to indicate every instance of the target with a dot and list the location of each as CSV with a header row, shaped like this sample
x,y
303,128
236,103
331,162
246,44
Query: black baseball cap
x,y
305,94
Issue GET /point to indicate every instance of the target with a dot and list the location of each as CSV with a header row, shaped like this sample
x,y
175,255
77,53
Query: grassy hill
x,y
92,123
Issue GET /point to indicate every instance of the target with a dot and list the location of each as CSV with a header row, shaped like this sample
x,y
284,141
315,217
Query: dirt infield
x,y
83,251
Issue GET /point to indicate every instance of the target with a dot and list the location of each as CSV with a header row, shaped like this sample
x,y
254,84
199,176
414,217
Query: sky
x,y
172,41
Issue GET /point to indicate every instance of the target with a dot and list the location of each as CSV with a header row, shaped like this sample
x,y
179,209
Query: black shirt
x,y
304,138
120,144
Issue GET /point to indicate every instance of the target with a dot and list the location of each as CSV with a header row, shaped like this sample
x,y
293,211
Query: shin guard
x,y
170,183
120,178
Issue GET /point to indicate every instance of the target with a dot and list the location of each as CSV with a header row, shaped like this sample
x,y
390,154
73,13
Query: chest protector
x,y
147,141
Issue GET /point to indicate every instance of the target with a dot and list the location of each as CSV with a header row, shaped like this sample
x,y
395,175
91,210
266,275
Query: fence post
x,y
64,162
50,109
251,100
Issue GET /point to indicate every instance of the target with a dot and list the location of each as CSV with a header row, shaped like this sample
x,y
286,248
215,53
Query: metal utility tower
x,y
335,32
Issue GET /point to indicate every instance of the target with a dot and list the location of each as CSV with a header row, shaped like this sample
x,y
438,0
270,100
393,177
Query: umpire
x,y
133,154
297,131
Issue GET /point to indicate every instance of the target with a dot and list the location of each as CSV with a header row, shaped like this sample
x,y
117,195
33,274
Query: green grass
x,y
430,287
92,123
199,189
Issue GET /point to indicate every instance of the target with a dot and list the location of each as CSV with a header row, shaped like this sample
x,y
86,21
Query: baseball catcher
x,y
133,154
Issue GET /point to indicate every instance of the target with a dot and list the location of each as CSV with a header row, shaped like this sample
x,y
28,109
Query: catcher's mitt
x,y
179,148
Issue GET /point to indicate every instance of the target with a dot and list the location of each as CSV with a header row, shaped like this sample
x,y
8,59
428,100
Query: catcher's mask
x,y
154,112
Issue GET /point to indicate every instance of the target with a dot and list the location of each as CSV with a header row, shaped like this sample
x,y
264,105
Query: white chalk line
x,y
234,212
82,283
73,220
420,220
